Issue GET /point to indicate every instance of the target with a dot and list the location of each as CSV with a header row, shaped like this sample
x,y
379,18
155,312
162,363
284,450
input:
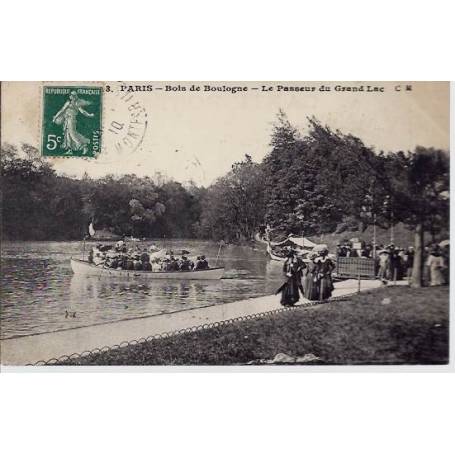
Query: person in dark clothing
x,y
197,265
325,267
137,262
292,270
341,251
145,260
395,263
185,265
204,263
409,261
120,247
173,265
310,278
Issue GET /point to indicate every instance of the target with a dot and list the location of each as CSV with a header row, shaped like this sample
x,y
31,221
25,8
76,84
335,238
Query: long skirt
x,y
311,287
326,288
383,272
290,292
437,276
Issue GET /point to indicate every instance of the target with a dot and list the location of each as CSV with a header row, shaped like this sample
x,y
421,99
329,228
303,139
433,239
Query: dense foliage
x,y
321,182
233,208
38,204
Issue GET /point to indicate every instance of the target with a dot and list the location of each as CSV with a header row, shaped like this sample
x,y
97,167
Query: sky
x,y
198,135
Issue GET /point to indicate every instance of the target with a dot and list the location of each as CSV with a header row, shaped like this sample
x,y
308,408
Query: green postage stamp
x,y
71,123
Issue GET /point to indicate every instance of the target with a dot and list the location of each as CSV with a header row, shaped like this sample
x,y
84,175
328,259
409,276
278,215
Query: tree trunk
x,y
416,280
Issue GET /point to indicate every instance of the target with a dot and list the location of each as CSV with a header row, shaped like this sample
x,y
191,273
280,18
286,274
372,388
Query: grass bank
x,y
393,325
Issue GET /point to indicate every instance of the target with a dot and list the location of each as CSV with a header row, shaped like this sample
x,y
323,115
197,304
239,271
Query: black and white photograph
x,y
225,227
255,224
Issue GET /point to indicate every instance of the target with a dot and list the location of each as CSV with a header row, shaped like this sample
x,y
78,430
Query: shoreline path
x,y
31,349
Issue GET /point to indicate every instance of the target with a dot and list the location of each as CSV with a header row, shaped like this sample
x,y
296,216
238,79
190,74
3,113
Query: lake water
x,y
38,286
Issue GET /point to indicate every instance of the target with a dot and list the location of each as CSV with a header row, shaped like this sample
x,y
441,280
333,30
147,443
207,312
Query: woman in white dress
x,y
436,264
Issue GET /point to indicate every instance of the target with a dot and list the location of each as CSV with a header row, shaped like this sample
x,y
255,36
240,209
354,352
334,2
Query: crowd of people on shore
x,y
313,278
394,263
347,250
120,257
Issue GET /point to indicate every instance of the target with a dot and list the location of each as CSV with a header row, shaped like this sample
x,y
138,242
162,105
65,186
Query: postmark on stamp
x,y
71,121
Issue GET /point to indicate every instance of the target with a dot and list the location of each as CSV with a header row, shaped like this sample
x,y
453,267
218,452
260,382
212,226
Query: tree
x,y
317,181
35,198
421,198
38,204
233,208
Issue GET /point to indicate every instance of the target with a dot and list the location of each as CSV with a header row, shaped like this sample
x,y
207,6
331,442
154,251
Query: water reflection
x,y
40,293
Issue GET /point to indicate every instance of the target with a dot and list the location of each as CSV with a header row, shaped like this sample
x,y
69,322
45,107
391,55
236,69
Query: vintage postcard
x,y
225,223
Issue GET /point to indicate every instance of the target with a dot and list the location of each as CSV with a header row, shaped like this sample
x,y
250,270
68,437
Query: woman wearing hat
x,y
436,264
292,269
325,267
310,279
384,265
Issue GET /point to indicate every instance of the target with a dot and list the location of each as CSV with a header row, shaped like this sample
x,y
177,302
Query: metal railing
x,y
355,267
193,329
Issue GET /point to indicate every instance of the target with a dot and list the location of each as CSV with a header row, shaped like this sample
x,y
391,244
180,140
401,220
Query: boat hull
x,y
85,269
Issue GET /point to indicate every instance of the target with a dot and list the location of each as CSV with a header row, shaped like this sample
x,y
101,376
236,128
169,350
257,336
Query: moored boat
x,y
272,255
84,268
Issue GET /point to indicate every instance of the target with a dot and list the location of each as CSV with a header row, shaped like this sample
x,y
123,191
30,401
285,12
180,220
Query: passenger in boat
x,y
173,264
145,260
204,263
137,262
111,259
156,265
186,265
129,263
98,255
119,262
123,261
198,265
120,247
